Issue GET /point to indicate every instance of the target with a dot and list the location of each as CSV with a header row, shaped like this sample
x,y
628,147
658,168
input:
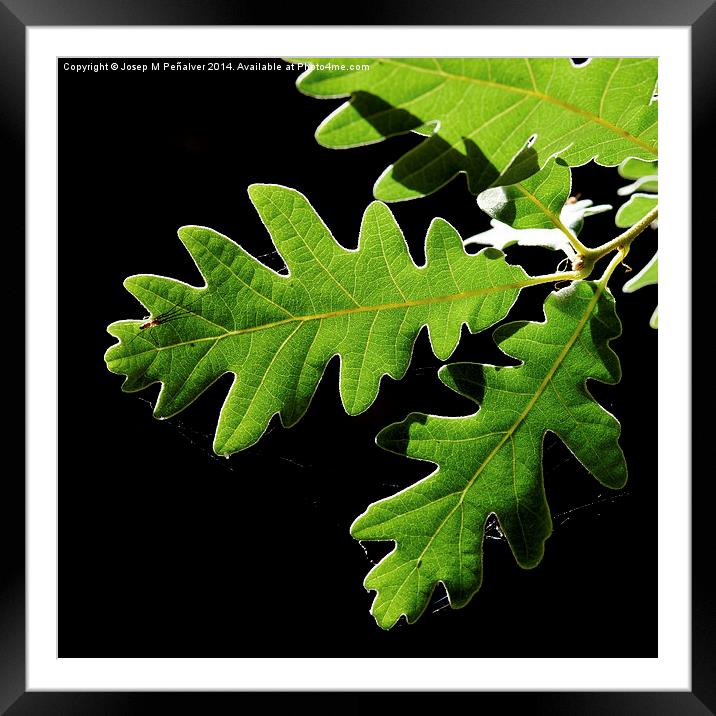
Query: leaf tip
x,y
326,135
257,190
493,201
260,192
654,321
129,283
466,379
188,231
133,284
388,189
393,437
358,525
383,623
438,223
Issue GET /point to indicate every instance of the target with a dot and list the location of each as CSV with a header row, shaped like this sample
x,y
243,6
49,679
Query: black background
x,y
167,550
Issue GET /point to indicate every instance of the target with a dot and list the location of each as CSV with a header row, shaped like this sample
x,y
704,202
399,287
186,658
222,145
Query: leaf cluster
x,y
515,128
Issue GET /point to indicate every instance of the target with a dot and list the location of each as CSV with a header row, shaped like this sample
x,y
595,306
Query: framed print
x,y
195,254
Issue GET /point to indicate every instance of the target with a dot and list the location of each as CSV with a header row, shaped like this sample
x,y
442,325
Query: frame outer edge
x,y
703,107
12,484
12,121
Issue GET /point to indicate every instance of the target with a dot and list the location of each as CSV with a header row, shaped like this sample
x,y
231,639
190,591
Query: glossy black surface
x,y
166,550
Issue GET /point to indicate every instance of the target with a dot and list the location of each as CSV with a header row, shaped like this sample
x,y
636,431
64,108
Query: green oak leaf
x,y
479,114
535,211
276,333
491,462
572,216
638,206
648,276
636,169
644,176
643,184
654,320
535,202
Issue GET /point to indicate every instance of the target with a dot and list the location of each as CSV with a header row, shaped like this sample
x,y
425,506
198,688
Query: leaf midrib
x,y
530,93
544,209
508,434
343,312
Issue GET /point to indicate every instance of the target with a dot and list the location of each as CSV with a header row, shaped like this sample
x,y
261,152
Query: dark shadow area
x,y
382,115
417,168
396,437
507,330
492,254
522,166
466,378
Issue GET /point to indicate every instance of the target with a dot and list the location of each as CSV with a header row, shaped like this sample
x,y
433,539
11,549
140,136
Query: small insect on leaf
x,y
166,317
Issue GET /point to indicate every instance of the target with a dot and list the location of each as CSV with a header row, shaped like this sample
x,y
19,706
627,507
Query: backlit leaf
x,y
536,211
648,276
491,462
276,333
644,184
636,169
485,112
535,202
638,206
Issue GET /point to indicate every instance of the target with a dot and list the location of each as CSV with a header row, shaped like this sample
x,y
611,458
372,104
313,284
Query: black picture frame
x,y
17,15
